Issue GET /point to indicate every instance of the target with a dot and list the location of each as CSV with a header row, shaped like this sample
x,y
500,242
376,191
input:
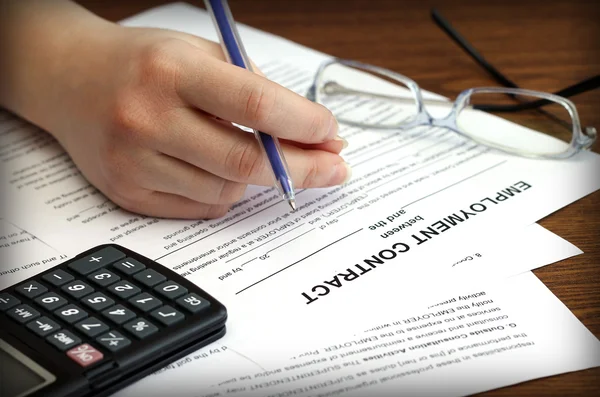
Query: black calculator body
x,y
98,322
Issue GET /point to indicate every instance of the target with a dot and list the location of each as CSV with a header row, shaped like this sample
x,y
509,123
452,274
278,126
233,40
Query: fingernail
x,y
344,142
341,169
348,172
333,129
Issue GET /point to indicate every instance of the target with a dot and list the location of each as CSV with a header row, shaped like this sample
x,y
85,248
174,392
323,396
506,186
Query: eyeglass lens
x,y
368,99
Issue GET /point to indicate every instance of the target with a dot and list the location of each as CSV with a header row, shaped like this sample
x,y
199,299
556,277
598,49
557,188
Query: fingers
x,y
170,175
165,205
248,99
334,146
233,154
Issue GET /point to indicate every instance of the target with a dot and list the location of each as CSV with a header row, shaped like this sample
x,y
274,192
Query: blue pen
x,y
235,54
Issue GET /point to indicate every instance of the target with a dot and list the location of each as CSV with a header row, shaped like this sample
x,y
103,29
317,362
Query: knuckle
x,y
216,211
121,172
117,179
312,172
131,204
317,130
124,114
157,62
243,160
132,120
259,102
231,192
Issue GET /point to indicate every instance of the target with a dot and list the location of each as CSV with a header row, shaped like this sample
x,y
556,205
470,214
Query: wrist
x,y
44,44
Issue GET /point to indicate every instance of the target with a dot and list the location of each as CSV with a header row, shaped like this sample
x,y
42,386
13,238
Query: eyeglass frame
x,y
580,140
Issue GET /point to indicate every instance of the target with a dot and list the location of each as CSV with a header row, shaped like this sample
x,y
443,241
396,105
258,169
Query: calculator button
x,y
170,290
193,303
97,301
124,289
43,326
77,289
91,327
118,314
149,277
63,340
140,328
31,289
167,315
85,355
7,301
51,301
129,266
145,302
23,313
58,277
103,277
113,341
97,260
71,313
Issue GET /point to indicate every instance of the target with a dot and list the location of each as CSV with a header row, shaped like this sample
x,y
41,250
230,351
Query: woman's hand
x,y
146,116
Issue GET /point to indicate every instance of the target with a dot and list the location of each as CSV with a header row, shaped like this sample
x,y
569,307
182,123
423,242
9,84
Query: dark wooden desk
x,y
540,44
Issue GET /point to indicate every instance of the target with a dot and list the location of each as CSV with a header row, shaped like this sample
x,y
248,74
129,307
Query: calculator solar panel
x,y
98,322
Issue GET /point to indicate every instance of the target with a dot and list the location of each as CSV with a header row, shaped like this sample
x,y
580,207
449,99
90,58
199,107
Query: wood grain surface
x,y
543,45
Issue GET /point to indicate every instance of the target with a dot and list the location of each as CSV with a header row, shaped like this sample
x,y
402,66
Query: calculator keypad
x,y
113,341
31,289
23,313
167,315
91,327
77,289
118,314
193,303
140,328
51,301
145,302
103,277
170,290
7,301
58,277
63,340
70,313
149,277
85,355
43,326
129,266
97,260
99,304
97,301
124,289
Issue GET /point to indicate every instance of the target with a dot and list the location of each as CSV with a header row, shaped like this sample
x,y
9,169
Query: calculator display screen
x,y
19,376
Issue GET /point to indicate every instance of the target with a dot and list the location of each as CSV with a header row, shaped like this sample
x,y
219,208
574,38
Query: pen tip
x,y
292,204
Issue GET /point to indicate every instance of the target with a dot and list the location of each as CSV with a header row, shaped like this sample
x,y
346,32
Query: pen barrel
x,y
228,34
280,172
235,53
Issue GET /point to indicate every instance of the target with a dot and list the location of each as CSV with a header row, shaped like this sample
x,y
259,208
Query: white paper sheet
x,y
476,340
419,201
23,255
223,360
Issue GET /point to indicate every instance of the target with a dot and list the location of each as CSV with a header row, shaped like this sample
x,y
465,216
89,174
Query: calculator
x,y
98,322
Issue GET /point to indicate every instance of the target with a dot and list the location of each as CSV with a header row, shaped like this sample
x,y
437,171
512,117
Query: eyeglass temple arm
x,y
470,50
583,86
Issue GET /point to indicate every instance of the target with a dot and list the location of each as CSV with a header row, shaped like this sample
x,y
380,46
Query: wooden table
x,y
543,45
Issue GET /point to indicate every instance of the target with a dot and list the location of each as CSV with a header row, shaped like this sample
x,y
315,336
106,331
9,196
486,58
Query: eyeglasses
x,y
393,101
368,96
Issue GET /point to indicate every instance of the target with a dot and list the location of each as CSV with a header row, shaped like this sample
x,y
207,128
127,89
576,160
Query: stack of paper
x,y
416,270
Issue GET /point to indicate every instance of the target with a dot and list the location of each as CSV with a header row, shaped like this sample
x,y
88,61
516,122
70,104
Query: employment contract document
x,y
421,203
475,340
